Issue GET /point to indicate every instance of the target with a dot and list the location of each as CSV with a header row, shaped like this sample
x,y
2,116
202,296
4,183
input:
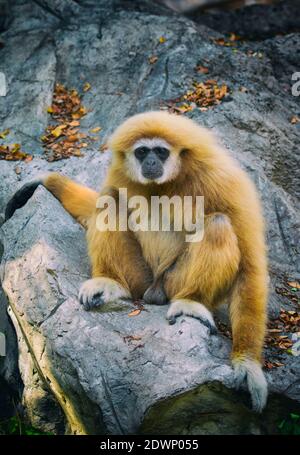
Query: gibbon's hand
x,y
251,370
96,291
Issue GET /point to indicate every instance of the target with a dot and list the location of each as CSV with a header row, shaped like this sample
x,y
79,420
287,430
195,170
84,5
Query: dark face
x,y
152,161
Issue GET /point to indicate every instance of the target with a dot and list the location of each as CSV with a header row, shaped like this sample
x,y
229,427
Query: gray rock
x,y
255,22
83,368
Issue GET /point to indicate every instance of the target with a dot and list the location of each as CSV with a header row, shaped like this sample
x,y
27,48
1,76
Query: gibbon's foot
x,y
251,370
191,308
96,291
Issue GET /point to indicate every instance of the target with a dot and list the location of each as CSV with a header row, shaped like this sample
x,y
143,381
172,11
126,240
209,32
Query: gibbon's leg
x,y
78,200
205,272
248,321
119,269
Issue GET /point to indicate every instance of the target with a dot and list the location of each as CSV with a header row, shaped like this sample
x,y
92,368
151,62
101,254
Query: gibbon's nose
x,y
152,168
150,163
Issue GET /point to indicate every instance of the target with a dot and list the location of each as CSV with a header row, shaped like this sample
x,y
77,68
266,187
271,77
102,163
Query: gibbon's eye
x,y
161,152
141,153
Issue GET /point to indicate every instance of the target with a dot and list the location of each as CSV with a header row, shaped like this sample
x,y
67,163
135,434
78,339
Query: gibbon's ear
x,y
183,153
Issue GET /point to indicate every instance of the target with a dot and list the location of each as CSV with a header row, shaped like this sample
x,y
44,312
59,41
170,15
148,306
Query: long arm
x,y
248,308
78,200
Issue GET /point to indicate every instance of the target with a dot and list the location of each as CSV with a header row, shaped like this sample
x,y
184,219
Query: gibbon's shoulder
x,y
180,132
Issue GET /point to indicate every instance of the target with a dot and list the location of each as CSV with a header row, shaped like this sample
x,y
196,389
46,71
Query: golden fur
x,y
232,255
229,263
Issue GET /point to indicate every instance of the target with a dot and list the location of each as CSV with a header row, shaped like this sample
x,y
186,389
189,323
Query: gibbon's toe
x,y
193,309
256,381
97,291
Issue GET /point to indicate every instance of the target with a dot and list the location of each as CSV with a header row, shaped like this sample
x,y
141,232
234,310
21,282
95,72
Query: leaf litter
x,y
63,138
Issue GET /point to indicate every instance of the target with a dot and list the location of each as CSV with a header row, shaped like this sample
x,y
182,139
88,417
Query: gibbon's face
x,y
152,161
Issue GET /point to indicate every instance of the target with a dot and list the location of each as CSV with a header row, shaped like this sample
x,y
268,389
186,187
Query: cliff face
x,y
106,372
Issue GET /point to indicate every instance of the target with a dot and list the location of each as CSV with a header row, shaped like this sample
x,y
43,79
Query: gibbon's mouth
x,y
152,175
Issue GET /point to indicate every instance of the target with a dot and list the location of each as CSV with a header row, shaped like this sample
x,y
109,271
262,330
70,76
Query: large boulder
x,y
107,372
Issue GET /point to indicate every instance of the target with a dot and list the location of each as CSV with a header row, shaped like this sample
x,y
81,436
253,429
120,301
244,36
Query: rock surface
x,y
83,372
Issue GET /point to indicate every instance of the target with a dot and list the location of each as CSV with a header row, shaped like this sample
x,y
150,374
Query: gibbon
x,y
156,153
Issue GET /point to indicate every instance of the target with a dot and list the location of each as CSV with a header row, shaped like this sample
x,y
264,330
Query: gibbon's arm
x,y
249,297
78,200
115,256
118,265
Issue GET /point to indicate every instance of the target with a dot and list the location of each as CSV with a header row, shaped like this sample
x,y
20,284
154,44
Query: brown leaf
x,y
294,284
73,138
12,153
96,129
134,313
153,59
132,338
62,140
87,86
74,123
58,131
4,133
202,69
103,147
234,37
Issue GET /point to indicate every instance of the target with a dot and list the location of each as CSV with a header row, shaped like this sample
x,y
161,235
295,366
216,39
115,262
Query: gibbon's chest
x,y
160,247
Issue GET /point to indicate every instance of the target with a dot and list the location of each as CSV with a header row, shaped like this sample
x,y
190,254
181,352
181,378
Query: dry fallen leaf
x,y
103,147
153,59
206,93
234,37
134,313
96,129
63,139
74,123
4,133
294,284
295,120
87,86
202,69
129,338
12,153
58,130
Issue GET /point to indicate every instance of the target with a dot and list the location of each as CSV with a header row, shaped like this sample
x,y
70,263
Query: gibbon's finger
x,y
94,302
256,381
193,309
